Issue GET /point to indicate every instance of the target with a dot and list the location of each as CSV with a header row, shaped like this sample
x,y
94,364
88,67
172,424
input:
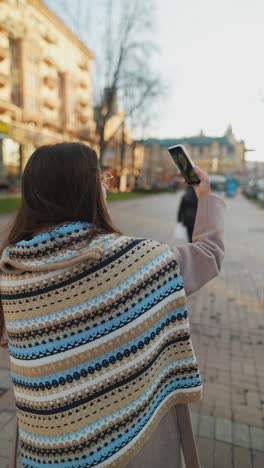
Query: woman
x,y
97,322
187,210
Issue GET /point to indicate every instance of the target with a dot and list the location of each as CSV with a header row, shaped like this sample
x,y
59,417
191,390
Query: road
x,y
227,323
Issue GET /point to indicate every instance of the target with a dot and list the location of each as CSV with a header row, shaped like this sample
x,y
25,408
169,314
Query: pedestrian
x,y
187,210
97,322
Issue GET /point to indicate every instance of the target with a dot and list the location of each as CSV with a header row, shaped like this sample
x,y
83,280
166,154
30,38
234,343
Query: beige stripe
x,y
108,374
89,255
64,319
66,297
186,397
44,425
181,398
60,395
111,345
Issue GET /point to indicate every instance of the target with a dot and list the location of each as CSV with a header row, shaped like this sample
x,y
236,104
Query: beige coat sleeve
x,y
200,261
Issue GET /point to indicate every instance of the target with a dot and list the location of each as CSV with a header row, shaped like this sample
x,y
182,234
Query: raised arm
x,y
200,261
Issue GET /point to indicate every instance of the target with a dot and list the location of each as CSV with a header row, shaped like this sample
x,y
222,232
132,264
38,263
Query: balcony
x,y
3,26
5,106
50,81
71,128
85,115
49,37
49,60
4,53
84,84
4,80
5,93
14,112
82,101
84,96
84,66
50,98
29,116
47,71
50,119
50,102
87,132
84,118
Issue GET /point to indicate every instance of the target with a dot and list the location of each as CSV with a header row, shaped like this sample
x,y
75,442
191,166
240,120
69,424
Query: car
x,y
260,189
4,185
251,189
217,182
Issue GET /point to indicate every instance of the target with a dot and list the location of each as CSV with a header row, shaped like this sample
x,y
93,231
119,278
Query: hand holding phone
x,y
185,164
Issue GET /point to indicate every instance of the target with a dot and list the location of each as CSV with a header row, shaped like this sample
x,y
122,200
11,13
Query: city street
x,y
227,323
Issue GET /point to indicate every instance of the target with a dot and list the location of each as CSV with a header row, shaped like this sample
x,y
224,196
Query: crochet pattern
x,y
99,342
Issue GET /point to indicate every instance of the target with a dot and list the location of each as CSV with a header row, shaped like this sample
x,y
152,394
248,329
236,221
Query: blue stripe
x,y
16,352
126,437
48,235
118,413
91,335
95,301
17,378
97,267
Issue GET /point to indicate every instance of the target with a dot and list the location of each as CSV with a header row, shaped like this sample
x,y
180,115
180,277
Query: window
x,y
72,104
11,157
62,97
31,81
15,71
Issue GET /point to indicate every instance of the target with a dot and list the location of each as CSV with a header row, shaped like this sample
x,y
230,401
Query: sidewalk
x,y
227,322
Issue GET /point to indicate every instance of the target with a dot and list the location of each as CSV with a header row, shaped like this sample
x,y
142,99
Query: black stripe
x,y
116,428
107,389
78,277
55,243
90,339
103,312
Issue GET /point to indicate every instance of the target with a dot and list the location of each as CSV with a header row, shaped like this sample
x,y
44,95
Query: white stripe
x,y
33,280
123,450
99,341
118,289
92,427
37,279
102,377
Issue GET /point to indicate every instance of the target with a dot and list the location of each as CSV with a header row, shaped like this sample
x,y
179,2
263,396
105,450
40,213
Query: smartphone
x,y
185,164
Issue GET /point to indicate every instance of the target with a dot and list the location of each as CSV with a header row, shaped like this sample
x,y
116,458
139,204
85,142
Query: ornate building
x,y
221,155
45,83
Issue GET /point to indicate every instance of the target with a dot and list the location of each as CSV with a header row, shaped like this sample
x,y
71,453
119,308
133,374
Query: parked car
x,y
243,184
255,189
4,184
260,189
217,182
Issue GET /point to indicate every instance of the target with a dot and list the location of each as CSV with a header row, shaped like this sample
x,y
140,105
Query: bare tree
x,y
124,75
130,80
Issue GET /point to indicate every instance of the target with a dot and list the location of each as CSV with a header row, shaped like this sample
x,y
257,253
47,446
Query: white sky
x,y
212,56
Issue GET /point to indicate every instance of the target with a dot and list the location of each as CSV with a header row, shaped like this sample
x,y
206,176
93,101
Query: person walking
x,y
187,210
97,326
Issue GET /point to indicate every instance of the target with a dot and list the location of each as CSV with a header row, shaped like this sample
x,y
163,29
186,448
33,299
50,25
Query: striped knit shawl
x,y
99,342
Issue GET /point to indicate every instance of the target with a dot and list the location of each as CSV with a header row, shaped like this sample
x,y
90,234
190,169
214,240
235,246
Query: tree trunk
x,y
102,141
20,161
122,150
122,147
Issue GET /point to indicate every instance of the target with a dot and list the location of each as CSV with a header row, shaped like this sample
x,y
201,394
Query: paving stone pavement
x,y
227,323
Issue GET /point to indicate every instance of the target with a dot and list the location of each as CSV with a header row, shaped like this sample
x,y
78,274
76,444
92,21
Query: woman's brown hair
x,y
61,183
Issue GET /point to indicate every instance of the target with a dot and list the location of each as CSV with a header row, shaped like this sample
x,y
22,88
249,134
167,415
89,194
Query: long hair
x,y
61,183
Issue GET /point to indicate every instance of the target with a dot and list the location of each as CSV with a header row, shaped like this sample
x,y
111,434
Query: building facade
x,y
45,84
215,155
